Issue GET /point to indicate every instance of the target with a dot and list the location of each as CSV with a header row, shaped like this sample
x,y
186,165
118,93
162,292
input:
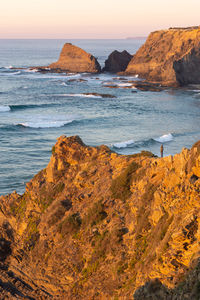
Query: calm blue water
x,y
37,108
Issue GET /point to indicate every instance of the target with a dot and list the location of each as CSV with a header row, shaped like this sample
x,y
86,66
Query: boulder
x,y
117,61
75,59
170,57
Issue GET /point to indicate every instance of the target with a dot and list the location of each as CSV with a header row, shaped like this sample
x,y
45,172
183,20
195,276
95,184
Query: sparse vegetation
x,y
18,208
59,187
120,187
95,214
139,249
57,216
32,233
90,269
121,267
164,225
144,153
53,150
70,225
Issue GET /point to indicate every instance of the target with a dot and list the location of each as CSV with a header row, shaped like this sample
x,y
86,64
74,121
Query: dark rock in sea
x,y
140,85
101,95
148,87
170,57
75,59
76,80
117,62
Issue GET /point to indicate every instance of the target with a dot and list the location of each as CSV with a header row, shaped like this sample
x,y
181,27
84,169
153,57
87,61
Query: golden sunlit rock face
x,y
171,57
97,225
75,59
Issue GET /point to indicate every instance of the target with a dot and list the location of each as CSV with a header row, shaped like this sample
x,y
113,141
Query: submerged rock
x,y
75,59
117,61
170,57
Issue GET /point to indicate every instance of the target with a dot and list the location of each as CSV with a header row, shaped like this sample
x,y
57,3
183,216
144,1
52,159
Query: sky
x,y
93,18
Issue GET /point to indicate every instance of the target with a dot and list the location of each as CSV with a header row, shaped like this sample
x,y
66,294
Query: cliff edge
x,y
97,225
170,57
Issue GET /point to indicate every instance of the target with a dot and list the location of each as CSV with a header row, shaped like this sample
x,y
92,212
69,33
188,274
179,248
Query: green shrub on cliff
x,y
120,187
71,224
95,214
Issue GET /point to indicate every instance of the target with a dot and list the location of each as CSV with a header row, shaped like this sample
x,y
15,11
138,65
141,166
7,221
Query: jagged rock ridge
x,y
75,59
97,225
171,57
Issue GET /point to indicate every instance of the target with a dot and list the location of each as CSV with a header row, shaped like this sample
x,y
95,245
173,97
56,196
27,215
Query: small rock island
x,y
75,59
117,61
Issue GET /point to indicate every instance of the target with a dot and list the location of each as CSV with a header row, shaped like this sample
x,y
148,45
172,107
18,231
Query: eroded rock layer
x,y
171,57
97,225
75,59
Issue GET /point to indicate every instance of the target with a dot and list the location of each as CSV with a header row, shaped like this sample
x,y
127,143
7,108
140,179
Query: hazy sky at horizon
x,y
93,18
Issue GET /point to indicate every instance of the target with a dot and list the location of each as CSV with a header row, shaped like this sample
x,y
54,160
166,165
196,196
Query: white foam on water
x,y
80,95
47,124
110,83
48,121
123,144
73,75
124,84
31,70
4,108
11,73
63,83
15,73
164,138
38,75
9,67
195,91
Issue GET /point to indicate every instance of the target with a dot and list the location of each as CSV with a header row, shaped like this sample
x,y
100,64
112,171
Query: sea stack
x,y
117,61
170,57
75,59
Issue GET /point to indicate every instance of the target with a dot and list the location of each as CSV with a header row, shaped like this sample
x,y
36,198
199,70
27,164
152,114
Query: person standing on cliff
x,y
161,150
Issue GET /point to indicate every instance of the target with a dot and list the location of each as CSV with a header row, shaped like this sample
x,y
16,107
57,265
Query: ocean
x,y
36,108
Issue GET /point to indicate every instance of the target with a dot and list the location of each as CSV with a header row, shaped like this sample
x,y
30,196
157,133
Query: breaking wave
x,y
123,144
80,95
45,124
4,108
164,138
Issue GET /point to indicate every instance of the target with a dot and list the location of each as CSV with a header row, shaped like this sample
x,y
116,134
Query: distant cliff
x,y
97,225
170,57
75,59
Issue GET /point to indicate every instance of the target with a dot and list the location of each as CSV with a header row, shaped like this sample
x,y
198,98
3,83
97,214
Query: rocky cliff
x,y
117,61
170,57
97,225
75,59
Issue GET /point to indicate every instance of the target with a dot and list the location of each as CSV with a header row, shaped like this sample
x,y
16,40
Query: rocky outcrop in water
x,y
97,225
117,61
75,59
170,57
